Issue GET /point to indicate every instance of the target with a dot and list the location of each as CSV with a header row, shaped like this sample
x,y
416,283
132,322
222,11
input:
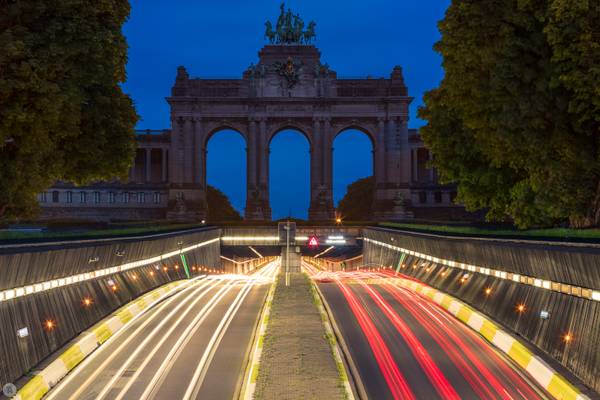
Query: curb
x,y
90,340
542,373
249,385
332,333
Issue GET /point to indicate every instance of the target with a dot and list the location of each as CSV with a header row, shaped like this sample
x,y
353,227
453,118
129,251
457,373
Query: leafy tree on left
x,y
63,115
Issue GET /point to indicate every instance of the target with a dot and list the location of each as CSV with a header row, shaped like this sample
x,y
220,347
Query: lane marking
x,y
112,338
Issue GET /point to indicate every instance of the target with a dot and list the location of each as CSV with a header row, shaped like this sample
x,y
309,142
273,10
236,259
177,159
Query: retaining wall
x,y
24,266
561,279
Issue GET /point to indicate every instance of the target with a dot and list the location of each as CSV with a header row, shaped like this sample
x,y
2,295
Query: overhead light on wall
x,y
544,314
488,291
567,337
521,308
49,325
87,302
23,332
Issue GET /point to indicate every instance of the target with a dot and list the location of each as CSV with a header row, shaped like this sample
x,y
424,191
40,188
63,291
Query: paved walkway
x,y
296,362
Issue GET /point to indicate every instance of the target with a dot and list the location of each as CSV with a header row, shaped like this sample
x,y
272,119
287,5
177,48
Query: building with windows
x,y
288,88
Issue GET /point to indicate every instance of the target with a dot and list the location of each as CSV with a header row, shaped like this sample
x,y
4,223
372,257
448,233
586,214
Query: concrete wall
x,y
29,264
572,265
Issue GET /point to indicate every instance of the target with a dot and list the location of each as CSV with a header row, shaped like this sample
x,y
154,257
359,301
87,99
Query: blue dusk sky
x,y
220,38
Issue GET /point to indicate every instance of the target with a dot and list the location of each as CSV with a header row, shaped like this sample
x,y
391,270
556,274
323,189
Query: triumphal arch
x,y
289,86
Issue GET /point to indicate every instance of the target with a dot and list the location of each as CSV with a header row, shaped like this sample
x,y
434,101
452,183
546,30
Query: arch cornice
x,y
274,127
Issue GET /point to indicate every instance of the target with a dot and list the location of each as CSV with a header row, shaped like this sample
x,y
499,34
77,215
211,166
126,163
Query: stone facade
x,y
289,88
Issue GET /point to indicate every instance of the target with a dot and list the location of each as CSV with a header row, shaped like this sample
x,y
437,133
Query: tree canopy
x,y
63,115
219,207
357,202
516,120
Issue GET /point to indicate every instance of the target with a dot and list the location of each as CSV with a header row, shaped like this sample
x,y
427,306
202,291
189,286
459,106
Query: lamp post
x,y
287,253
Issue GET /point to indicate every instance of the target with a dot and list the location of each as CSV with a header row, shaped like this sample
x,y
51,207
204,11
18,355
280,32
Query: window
x,y
156,197
43,197
125,197
82,197
69,197
96,197
438,197
422,197
55,195
141,197
111,197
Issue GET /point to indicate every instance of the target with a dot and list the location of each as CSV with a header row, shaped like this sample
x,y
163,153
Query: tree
x,y
356,204
63,115
516,119
219,207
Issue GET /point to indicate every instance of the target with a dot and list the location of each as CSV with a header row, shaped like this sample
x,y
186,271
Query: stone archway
x,y
315,102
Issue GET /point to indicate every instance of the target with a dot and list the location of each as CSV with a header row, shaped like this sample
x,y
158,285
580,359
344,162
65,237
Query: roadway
x,y
407,347
192,345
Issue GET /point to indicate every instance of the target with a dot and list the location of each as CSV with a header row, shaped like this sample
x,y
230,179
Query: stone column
x,y
415,164
187,199
148,176
379,153
163,175
257,199
175,151
188,151
316,169
252,200
328,154
404,161
322,193
197,154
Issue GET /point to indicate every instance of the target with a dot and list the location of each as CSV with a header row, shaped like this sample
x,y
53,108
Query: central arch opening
x,y
226,171
289,174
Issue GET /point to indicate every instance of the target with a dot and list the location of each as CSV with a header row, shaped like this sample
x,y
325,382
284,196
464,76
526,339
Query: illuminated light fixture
x,y
87,302
544,314
567,337
68,280
414,266
521,308
23,332
165,268
49,325
193,268
338,220
443,273
596,295
114,288
427,269
463,280
151,273
176,266
488,291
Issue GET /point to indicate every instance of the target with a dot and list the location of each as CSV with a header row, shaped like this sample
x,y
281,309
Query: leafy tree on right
x,y
516,120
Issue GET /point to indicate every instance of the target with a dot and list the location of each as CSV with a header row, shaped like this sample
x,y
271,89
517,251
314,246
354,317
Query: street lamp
x,y
287,253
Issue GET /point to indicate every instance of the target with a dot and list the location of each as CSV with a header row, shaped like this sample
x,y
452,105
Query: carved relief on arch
x,y
304,128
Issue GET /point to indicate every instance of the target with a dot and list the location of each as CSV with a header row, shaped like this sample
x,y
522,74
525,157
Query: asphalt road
x,y
190,346
407,347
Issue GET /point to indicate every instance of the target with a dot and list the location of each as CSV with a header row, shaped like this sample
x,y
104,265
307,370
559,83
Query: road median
x,y
297,361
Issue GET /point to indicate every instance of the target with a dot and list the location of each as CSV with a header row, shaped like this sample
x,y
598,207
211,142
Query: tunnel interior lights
x,y
64,281
335,239
592,294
